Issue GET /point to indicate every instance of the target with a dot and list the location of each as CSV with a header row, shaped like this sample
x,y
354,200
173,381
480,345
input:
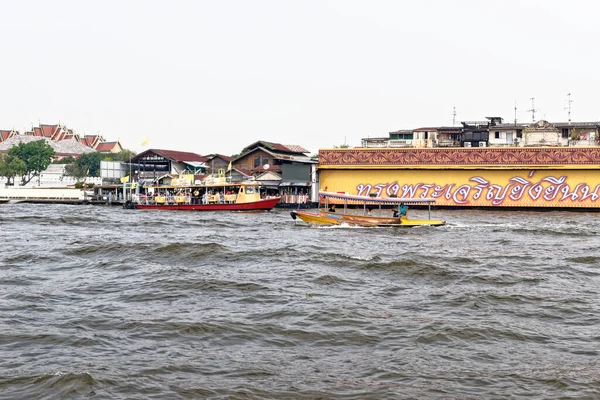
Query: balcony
x,y
401,143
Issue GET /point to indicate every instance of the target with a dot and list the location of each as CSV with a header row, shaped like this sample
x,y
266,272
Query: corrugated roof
x,y
177,156
278,147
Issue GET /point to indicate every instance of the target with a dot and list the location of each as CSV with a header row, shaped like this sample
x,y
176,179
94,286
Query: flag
x,y
229,167
145,141
125,179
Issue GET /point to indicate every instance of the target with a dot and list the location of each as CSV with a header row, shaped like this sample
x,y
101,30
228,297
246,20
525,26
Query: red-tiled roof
x,y
106,146
278,147
295,148
243,171
48,130
426,129
221,156
5,134
178,156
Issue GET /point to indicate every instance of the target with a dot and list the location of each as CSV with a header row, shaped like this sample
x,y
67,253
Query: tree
x,y
65,160
124,155
89,163
86,165
36,156
76,170
11,166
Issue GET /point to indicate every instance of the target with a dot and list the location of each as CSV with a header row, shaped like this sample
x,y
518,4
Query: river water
x,y
107,303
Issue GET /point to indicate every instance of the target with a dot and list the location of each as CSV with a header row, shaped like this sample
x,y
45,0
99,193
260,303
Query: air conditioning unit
x,y
481,144
467,144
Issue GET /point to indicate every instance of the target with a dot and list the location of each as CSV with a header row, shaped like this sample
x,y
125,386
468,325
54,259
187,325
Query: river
x,y
106,303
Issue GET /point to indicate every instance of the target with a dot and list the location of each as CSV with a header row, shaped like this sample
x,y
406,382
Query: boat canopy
x,y
355,199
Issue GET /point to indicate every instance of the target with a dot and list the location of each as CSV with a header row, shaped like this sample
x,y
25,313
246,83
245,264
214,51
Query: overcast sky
x,y
215,76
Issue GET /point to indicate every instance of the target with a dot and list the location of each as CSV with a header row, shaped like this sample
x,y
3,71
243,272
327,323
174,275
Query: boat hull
x,y
314,218
326,218
261,205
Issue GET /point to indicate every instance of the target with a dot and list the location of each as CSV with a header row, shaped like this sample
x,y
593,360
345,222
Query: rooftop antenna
x,y
515,112
533,110
568,108
453,115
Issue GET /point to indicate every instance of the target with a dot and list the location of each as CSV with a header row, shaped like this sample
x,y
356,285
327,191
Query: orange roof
x,y
106,147
5,134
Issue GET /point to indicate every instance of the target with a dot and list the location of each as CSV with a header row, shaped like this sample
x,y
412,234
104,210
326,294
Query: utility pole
x,y
569,101
515,112
453,115
533,110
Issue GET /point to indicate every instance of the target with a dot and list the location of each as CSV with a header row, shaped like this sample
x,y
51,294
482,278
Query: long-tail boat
x,y
353,210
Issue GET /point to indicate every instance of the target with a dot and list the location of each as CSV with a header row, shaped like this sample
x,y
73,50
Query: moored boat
x,y
243,196
366,211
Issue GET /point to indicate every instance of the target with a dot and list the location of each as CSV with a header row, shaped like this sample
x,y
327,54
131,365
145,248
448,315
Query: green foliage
x,y
92,162
124,155
86,165
89,163
76,170
11,166
65,160
36,156
79,185
342,146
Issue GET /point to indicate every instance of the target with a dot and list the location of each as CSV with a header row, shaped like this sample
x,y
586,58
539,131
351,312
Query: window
x,y
265,160
565,133
256,161
496,135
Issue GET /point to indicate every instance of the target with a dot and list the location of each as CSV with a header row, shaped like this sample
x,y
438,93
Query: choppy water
x,y
109,303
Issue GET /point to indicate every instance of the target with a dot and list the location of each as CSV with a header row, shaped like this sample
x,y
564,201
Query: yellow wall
x,y
474,187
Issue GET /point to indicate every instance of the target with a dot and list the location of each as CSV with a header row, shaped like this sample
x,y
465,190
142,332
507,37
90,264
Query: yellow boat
x,y
361,213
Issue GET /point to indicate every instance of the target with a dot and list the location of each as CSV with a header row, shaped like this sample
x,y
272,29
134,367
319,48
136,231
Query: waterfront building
x,y
449,136
400,138
485,177
425,137
162,166
506,135
579,133
297,171
492,133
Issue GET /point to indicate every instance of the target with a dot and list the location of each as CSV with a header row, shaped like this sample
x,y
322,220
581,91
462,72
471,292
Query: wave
x,y
59,385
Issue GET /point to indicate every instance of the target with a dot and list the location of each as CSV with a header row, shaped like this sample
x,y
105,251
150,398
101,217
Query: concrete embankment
x,y
44,195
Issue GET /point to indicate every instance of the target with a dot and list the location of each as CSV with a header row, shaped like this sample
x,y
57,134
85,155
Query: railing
x,y
295,199
400,143
377,144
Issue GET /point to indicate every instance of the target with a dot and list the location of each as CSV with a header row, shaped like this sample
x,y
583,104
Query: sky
x,y
215,76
